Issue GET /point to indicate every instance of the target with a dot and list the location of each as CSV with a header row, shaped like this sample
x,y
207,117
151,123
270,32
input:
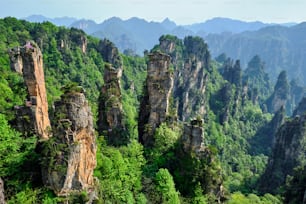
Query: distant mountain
x,y
220,25
89,26
138,34
280,47
62,21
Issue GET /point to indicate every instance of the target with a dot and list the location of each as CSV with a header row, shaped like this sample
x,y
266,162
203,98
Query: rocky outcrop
x,y
33,74
2,198
200,172
280,96
70,155
110,53
288,151
190,58
193,137
226,97
257,79
232,72
16,60
111,116
301,109
155,104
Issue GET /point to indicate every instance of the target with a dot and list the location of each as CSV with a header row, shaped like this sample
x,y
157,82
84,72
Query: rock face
x,y
33,74
280,96
232,72
16,60
155,104
2,198
301,109
257,79
70,155
193,137
288,151
191,79
110,53
111,116
190,58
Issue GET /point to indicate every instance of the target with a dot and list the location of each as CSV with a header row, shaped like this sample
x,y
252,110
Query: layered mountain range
x,y
280,46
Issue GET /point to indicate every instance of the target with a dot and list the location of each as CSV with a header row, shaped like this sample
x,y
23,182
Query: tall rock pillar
x,y
70,156
28,60
156,101
111,116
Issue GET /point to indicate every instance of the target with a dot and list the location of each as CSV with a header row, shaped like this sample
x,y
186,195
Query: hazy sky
x,y
181,11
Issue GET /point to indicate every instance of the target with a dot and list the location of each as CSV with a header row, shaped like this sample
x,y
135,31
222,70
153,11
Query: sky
x,y
181,11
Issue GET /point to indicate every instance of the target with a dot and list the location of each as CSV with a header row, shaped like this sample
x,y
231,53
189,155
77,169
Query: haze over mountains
x,y
138,34
281,46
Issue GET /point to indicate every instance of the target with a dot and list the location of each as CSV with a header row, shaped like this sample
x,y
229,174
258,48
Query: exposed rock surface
x,y
33,74
111,116
257,79
288,151
155,104
16,60
193,145
70,155
232,72
193,137
301,109
280,96
110,53
225,95
2,198
190,59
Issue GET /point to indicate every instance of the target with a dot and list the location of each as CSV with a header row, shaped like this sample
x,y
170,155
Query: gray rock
x,y
70,157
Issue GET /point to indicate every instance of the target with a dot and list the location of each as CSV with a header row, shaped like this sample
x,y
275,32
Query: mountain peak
x,y
168,24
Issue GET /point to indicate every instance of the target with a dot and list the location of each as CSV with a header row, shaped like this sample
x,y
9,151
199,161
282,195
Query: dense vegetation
x,y
132,173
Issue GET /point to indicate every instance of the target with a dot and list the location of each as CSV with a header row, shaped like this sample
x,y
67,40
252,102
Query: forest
x,y
172,126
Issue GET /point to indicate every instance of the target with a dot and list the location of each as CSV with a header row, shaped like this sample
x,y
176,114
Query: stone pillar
x,y
70,156
155,104
32,69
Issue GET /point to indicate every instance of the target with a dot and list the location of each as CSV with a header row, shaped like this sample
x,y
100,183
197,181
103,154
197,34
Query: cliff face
x,y
32,69
110,53
111,116
280,96
301,109
70,155
288,152
155,104
193,137
190,59
257,80
232,72
2,198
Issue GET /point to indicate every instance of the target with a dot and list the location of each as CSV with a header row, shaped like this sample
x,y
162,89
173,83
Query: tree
x,y
166,187
13,148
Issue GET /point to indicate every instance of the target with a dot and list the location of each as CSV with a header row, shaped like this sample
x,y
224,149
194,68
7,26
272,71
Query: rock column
x,y
71,154
156,102
31,67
